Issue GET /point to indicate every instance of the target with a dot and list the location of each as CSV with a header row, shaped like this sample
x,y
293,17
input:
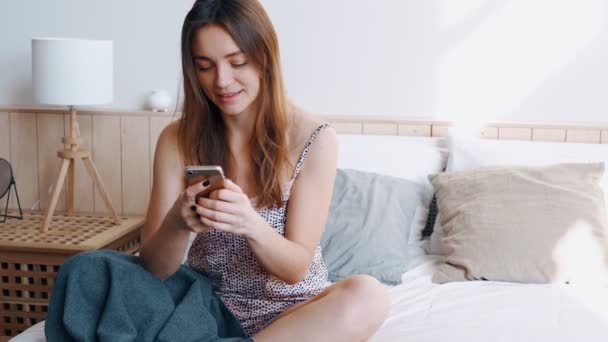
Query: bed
x,y
423,311
425,307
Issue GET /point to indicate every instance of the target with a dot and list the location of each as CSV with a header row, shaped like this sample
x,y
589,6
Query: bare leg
x,y
350,310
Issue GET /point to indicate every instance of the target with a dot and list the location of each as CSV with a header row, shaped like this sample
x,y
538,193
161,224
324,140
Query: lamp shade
x,y
74,72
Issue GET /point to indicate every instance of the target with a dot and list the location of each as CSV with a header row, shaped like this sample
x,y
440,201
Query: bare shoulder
x,y
167,150
303,125
169,133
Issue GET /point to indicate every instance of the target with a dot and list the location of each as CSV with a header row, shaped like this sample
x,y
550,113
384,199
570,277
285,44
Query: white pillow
x,y
411,158
466,153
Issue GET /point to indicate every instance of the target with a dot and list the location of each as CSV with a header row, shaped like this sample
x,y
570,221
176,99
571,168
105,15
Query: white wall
x,y
446,59
146,36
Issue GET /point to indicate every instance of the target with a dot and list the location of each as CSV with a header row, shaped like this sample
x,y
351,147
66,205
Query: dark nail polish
x,y
193,207
206,183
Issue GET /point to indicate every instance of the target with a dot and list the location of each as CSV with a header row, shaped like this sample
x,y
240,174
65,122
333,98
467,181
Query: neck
x,y
239,129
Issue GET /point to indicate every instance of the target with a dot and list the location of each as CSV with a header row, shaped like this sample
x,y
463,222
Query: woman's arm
x,y
165,234
289,258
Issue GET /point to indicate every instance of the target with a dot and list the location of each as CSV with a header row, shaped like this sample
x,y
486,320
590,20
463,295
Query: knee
x,y
366,300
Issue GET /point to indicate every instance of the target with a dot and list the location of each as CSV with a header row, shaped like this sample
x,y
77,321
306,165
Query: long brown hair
x,y
202,134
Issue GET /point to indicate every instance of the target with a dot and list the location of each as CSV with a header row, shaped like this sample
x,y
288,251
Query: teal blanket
x,y
109,296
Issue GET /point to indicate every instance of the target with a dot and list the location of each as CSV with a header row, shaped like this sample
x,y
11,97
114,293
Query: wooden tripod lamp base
x,y
69,156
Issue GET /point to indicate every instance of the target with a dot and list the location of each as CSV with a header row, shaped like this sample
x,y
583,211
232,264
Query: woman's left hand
x,y
229,210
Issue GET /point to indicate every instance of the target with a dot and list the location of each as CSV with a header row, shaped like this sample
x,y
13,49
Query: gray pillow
x,y
369,224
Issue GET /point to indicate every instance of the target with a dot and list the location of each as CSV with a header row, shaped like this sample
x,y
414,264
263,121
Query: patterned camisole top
x,y
253,295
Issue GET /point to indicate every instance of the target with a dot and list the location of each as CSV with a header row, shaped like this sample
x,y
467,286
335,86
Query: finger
x,y
216,216
194,224
196,189
218,205
230,185
190,211
226,195
216,225
191,217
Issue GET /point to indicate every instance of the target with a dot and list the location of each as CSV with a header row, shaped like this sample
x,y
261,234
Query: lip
x,y
229,97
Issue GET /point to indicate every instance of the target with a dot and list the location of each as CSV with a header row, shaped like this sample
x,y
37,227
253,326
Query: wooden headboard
x,y
592,133
123,145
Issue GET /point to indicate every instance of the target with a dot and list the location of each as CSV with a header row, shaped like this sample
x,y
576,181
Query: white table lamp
x,y
73,72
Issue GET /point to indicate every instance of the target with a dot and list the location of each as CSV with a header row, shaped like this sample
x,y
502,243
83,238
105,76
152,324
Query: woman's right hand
x,y
183,213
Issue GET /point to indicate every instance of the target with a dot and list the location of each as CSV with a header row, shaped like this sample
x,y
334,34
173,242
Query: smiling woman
x,y
230,52
236,115
257,239
228,79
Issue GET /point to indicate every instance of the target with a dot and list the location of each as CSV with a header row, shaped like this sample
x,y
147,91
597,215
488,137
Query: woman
x,y
258,238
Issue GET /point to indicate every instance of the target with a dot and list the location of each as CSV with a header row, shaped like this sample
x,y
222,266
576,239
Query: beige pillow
x,y
524,224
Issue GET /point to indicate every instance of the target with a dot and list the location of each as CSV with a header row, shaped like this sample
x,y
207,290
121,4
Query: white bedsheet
x,y
422,311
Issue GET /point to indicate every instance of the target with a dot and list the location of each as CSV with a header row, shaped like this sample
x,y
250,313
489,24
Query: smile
x,y
229,96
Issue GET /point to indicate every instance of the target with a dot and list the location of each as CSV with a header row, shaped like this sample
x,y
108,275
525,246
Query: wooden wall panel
x,y
5,137
489,132
549,134
50,132
414,130
589,136
84,199
380,128
5,146
353,127
135,164
107,158
157,124
439,130
24,157
604,137
514,133
123,147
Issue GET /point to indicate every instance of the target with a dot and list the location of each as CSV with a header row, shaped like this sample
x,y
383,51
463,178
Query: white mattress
x,y
479,311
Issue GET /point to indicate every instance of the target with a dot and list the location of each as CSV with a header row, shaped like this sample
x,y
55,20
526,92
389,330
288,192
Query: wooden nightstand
x,y
29,259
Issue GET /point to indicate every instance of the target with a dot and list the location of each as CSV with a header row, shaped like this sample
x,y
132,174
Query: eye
x,y
204,68
239,64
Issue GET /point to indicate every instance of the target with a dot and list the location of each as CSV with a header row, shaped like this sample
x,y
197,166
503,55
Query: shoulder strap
x,y
311,140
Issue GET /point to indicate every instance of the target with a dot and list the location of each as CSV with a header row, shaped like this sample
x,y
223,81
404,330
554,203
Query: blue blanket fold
x,y
109,296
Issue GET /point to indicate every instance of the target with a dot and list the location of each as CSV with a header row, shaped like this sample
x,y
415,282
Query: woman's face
x,y
225,74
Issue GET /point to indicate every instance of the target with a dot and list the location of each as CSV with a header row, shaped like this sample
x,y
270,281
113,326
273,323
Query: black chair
x,y
7,182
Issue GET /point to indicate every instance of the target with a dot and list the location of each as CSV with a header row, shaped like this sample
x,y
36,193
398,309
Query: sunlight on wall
x,y
579,255
455,12
512,52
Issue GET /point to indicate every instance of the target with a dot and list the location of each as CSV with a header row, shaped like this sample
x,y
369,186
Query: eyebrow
x,y
232,54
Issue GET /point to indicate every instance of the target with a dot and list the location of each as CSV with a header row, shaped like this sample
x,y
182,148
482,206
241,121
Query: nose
x,y
224,76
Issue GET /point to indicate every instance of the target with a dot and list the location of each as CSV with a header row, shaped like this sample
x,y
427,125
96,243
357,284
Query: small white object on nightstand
x,y
159,100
